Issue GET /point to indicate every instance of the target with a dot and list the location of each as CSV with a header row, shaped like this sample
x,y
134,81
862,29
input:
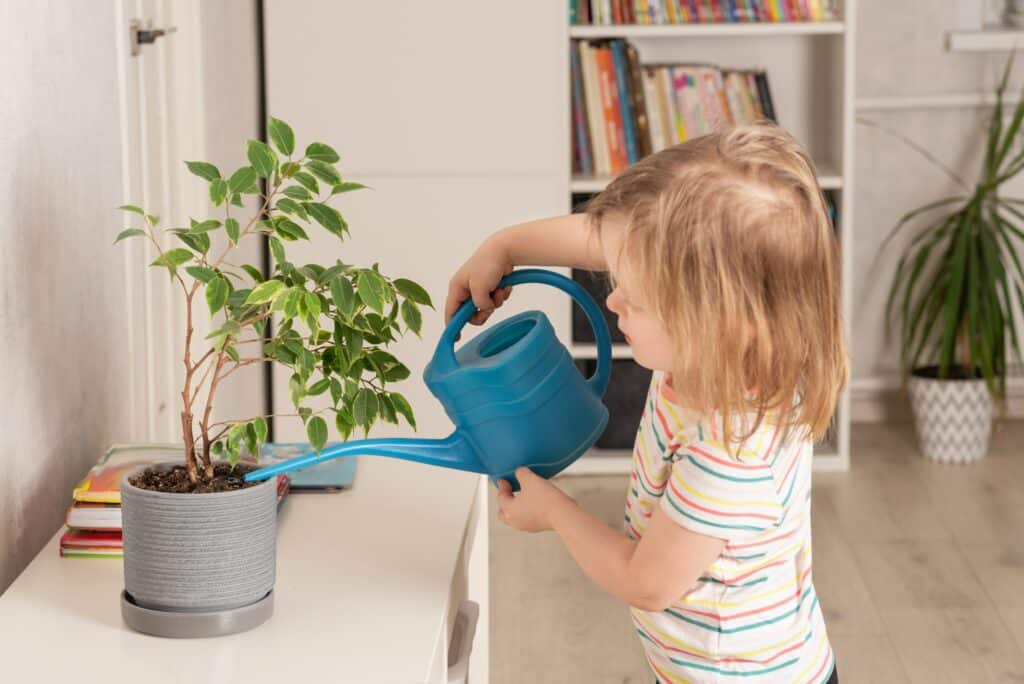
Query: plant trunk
x,y
190,447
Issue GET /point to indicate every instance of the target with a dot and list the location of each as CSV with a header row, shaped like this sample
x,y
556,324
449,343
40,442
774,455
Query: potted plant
x,y
199,542
958,295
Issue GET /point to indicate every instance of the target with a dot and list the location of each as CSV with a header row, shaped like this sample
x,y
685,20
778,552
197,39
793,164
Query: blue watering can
x,y
513,392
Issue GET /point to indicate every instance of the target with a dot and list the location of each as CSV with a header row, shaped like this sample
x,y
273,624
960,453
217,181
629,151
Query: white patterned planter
x,y
953,417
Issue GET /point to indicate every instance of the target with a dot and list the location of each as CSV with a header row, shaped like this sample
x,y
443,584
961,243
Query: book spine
x,y
765,95
625,101
656,137
579,114
610,109
666,106
592,94
636,91
617,12
687,125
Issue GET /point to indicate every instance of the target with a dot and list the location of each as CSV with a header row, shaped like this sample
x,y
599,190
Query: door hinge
x,y
139,35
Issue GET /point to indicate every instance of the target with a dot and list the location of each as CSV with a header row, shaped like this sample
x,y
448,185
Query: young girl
x,y
725,273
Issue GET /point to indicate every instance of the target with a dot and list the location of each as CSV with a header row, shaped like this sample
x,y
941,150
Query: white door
x,y
165,118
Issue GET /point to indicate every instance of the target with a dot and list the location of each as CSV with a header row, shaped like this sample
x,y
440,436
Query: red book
x,y
611,110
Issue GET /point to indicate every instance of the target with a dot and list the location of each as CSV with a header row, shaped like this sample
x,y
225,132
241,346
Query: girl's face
x,y
646,335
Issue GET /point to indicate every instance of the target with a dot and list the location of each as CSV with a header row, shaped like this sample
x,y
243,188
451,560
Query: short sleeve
x,y
713,493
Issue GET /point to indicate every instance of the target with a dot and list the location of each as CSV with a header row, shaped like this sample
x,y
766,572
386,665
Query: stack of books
x,y
655,12
623,111
94,518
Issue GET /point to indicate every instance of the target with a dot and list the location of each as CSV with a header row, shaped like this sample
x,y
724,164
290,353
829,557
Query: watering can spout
x,y
453,451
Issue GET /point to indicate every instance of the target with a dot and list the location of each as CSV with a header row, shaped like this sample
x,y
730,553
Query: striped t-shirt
x,y
753,615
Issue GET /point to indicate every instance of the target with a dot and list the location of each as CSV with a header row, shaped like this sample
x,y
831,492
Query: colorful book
x,y
625,101
94,516
102,484
579,118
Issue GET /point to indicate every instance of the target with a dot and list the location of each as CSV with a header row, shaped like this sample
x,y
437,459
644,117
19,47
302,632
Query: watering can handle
x,y
599,381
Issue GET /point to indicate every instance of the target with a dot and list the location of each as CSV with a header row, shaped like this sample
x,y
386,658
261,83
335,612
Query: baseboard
x,y
881,399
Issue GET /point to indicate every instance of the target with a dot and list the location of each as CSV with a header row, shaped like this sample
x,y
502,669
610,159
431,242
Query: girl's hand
x,y
531,509
477,278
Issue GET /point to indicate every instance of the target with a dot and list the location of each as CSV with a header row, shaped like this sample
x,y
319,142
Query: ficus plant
x,y
332,323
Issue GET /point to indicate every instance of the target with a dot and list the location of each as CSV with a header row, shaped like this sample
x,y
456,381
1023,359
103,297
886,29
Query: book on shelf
x,y
623,110
671,12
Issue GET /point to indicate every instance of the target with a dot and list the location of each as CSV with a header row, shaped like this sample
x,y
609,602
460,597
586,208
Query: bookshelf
x,y
810,67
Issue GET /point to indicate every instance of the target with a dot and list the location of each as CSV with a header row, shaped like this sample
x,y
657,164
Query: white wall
x,y
61,319
900,53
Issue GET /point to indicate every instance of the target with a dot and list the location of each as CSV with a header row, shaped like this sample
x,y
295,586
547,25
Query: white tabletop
x,y
363,578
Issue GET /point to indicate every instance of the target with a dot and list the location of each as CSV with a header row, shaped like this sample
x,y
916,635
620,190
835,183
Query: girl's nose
x,y
612,302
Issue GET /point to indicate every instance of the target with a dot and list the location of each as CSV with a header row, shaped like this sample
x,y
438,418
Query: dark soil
x,y
956,372
225,479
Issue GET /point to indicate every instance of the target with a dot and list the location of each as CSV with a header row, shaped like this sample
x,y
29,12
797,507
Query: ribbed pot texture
x,y
199,552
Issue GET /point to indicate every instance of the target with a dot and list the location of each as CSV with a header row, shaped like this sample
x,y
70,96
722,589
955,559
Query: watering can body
x,y
513,392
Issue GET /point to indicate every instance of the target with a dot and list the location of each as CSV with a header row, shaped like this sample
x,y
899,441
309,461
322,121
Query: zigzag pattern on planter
x,y
953,418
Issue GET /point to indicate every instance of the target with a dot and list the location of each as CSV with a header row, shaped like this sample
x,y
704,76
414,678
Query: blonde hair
x,y
740,263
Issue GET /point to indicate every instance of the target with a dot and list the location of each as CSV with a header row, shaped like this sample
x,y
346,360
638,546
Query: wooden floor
x,y
919,567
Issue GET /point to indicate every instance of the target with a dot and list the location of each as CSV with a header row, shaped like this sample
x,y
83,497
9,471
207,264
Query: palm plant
x,y
959,287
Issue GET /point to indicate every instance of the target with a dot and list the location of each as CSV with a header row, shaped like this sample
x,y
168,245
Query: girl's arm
x,y
649,574
556,241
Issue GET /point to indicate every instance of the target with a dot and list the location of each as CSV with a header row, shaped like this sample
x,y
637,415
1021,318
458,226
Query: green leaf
x,y
281,135
402,406
326,216
131,232
343,295
253,272
200,242
353,342
312,304
232,228
371,290
324,172
289,169
260,427
413,291
173,258
348,186
243,180
308,182
229,328
336,391
233,353
319,387
289,230
201,273
296,389
411,316
205,226
316,430
321,152
297,192
236,200
387,409
218,191
365,408
265,292
292,207
262,158
277,249
217,294
132,208
203,169
344,423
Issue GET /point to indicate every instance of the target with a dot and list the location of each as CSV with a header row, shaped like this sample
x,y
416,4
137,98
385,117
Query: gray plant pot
x,y
198,565
953,418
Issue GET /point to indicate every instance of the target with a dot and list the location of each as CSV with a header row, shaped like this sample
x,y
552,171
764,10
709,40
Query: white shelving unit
x,y
987,40
810,72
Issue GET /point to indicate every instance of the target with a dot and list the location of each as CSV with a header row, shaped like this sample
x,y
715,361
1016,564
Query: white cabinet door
x,y
408,87
423,230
